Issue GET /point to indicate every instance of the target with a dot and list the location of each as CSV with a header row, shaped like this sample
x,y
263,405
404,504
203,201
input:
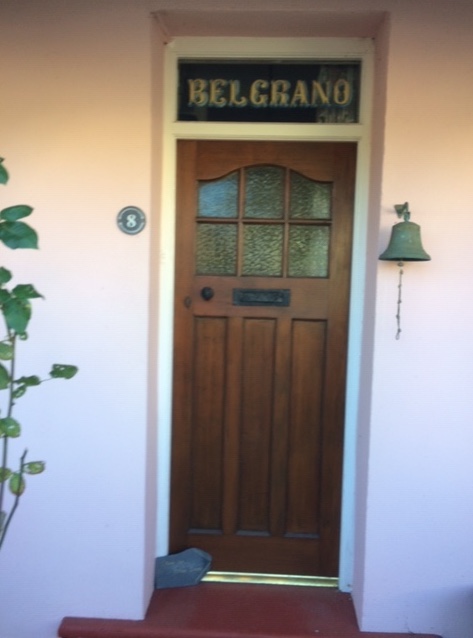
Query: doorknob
x,y
207,293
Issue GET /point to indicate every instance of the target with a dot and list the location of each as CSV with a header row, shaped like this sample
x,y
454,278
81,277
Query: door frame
x,y
262,48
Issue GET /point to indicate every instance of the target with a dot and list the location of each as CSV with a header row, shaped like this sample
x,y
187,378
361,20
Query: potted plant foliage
x,y
15,310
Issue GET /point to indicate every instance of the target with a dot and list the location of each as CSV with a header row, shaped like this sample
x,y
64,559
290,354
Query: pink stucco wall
x,y
418,567
76,129
75,122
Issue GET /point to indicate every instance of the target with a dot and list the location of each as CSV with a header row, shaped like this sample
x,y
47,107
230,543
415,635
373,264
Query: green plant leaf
x,y
6,351
10,427
14,213
26,291
23,384
5,474
34,467
60,371
18,235
29,381
3,173
5,276
4,377
19,392
17,313
17,484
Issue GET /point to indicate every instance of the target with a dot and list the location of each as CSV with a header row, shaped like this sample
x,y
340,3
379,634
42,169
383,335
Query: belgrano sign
x,y
277,93
269,92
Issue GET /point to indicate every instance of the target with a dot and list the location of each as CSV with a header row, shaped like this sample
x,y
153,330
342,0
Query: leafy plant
x,y
15,307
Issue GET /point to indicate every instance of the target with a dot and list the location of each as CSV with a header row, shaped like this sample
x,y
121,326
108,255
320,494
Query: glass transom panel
x,y
279,226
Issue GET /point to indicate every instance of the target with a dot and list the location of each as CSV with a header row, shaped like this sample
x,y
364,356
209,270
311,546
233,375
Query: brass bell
x,y
405,243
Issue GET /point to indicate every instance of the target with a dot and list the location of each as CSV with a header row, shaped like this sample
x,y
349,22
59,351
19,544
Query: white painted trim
x,y
264,48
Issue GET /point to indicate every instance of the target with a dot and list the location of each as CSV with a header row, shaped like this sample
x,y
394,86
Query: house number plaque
x,y
131,220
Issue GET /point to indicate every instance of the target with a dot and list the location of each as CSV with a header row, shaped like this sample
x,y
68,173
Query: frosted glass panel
x,y
262,250
309,199
264,192
218,198
308,251
216,249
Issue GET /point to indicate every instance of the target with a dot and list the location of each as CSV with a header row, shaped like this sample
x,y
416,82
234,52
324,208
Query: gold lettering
x,y
234,98
279,93
301,95
256,98
342,92
318,93
220,93
216,93
198,92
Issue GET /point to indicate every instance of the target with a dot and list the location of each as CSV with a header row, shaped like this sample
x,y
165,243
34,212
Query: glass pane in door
x,y
218,198
309,199
216,249
308,251
264,192
262,250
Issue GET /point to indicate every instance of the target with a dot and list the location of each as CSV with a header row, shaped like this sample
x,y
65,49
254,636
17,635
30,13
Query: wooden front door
x,y
261,309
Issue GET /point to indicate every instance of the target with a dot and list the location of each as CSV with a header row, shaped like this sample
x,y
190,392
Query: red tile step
x,y
217,610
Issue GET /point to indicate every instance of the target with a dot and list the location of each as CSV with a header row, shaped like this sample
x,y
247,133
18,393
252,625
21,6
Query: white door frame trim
x,y
274,49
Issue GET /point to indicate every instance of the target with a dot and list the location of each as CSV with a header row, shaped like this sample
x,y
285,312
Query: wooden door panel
x,y
259,390
223,157
236,553
207,424
305,432
257,396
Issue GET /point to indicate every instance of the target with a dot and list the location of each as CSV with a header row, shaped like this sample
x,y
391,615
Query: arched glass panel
x,y
218,198
309,199
264,192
